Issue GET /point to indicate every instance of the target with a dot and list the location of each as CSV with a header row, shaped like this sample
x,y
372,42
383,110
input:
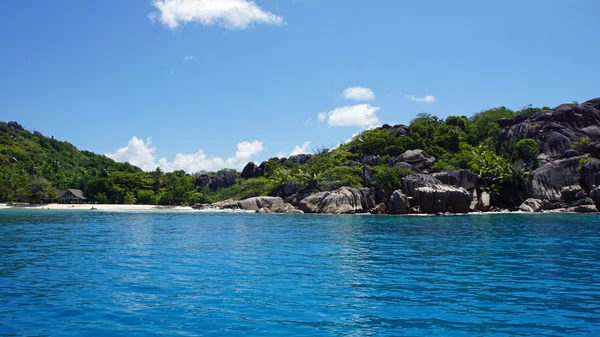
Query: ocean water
x,y
82,273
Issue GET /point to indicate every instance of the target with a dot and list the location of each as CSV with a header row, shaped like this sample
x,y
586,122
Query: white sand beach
x,y
101,207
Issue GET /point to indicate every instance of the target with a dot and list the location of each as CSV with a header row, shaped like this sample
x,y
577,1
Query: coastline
x,y
100,207
155,208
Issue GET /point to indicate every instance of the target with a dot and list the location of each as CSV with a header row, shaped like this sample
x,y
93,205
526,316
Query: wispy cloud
x,y
359,94
230,14
362,115
425,99
142,154
188,58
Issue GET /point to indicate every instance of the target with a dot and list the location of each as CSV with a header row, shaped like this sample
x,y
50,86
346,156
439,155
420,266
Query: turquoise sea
x,y
82,273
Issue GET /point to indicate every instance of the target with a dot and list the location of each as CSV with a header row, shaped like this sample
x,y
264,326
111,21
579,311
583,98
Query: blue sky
x,y
216,83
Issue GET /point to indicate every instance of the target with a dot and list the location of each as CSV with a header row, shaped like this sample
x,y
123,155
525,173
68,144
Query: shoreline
x,y
99,207
186,209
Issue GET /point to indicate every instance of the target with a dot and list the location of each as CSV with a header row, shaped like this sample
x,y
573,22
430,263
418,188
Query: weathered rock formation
x,y
15,126
531,205
557,129
216,181
590,174
548,180
256,203
418,159
345,200
463,178
432,196
443,198
398,203
251,171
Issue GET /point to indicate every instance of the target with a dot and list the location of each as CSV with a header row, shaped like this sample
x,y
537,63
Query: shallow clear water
x,y
70,273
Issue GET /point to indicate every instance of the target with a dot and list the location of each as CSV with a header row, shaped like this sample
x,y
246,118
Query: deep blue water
x,y
71,273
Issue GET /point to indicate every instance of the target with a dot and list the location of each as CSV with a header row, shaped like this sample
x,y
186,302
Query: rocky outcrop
x,y
15,126
280,208
251,171
548,180
572,193
442,198
556,129
371,160
416,158
380,209
590,174
463,178
226,204
583,209
531,205
398,129
431,196
7,161
345,200
398,203
256,203
411,182
222,179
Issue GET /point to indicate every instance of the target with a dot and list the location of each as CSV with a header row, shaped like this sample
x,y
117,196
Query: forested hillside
x,y
501,155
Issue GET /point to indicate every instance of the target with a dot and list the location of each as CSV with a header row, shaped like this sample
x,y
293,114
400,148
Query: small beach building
x,y
71,196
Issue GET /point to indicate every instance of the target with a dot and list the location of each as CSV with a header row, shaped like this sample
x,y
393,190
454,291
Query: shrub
x,y
581,144
390,178
345,176
527,151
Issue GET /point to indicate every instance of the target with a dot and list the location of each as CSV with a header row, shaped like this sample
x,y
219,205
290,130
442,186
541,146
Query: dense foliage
x,y
33,166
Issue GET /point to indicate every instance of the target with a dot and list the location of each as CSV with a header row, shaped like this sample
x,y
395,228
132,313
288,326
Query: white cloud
x,y
231,14
359,94
363,115
301,149
188,58
142,154
425,99
138,153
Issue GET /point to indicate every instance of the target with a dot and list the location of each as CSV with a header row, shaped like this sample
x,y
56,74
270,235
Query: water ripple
x,y
191,274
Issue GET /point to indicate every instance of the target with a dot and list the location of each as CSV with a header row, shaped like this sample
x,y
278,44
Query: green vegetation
x,y
32,165
581,143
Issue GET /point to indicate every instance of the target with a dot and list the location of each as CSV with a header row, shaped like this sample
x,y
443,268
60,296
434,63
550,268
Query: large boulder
x,y
226,204
548,180
298,159
443,198
417,158
572,193
398,203
284,208
590,174
531,205
462,178
256,203
379,209
345,200
411,182
251,171
371,160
